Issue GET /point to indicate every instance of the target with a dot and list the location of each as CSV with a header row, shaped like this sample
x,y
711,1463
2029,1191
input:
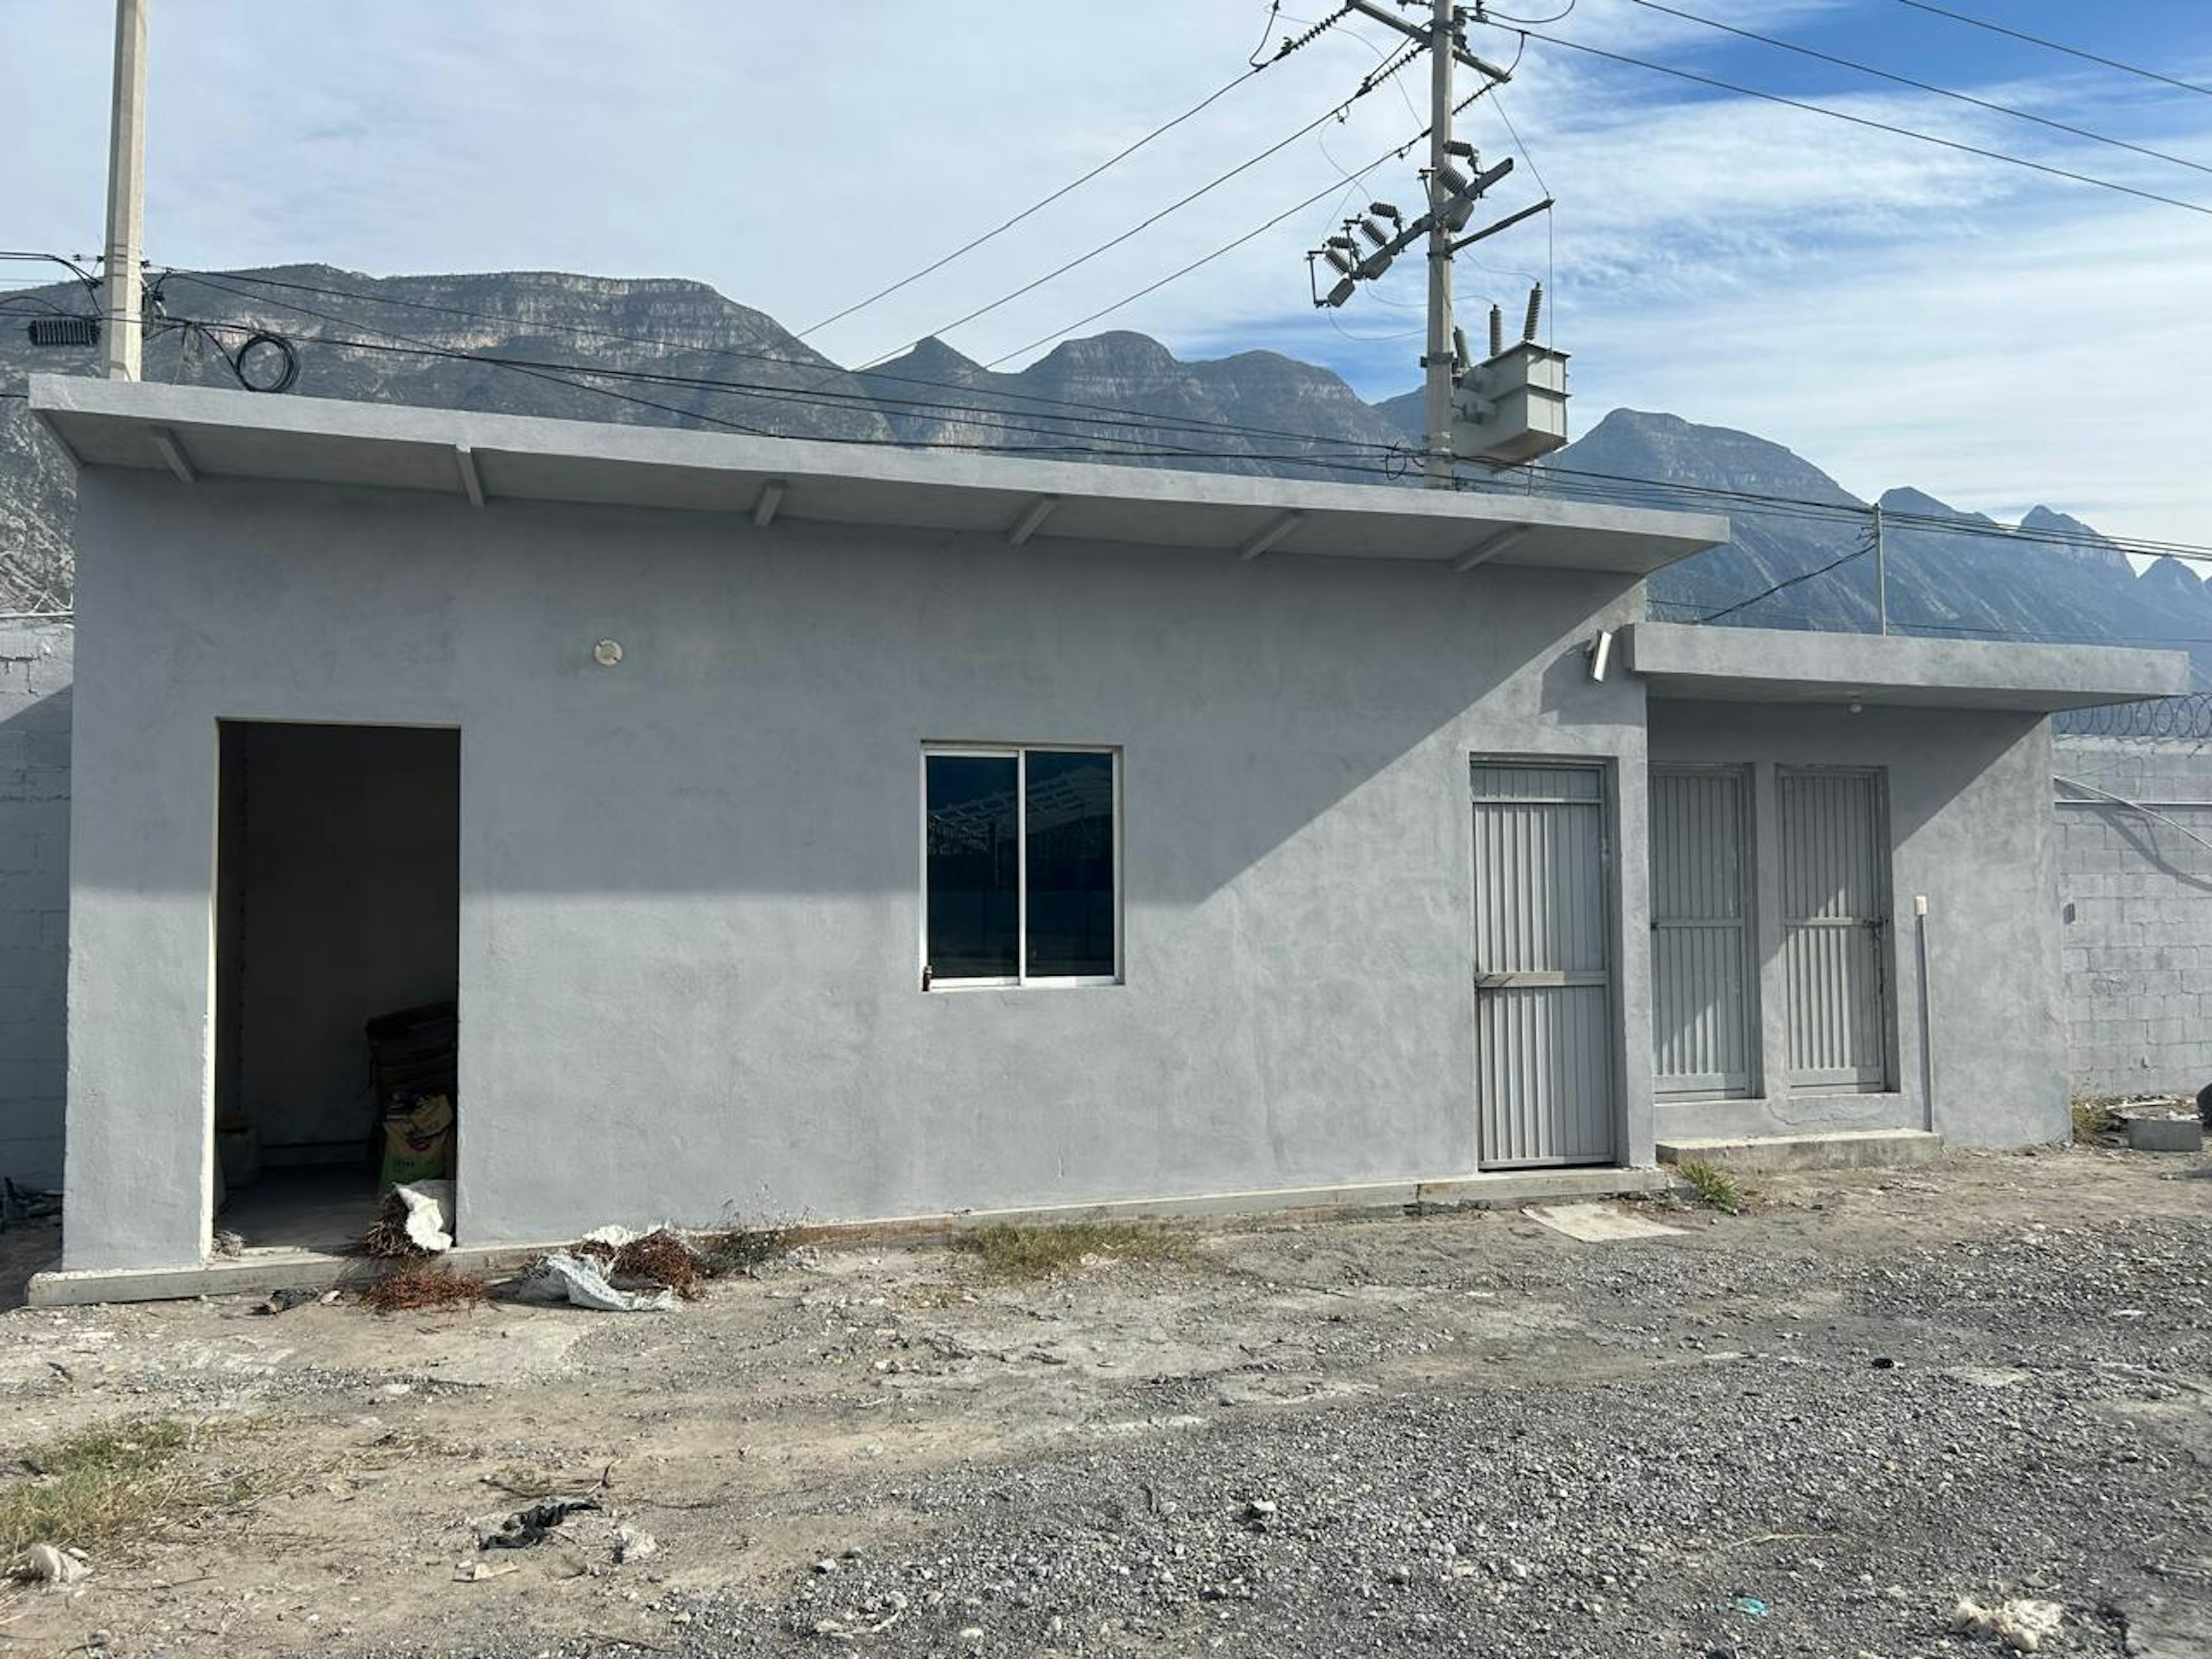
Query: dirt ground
x,y
1808,1430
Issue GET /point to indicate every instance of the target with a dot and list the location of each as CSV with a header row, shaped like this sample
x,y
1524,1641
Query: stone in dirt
x,y
530,1525
2022,1625
49,1565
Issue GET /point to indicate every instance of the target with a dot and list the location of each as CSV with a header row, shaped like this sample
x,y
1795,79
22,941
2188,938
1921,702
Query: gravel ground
x,y
1808,1431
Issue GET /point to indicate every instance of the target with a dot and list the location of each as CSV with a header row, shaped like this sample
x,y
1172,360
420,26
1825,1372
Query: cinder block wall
x,y
2136,915
35,664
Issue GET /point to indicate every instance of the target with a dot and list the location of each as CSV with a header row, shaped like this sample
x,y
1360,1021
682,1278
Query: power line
x,y
2055,45
1119,156
1377,459
1185,271
1869,122
1373,80
222,282
1921,86
1859,552
1741,500
784,394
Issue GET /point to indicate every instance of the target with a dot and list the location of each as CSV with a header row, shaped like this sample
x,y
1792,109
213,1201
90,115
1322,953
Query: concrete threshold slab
x,y
1598,1224
1848,1149
257,1273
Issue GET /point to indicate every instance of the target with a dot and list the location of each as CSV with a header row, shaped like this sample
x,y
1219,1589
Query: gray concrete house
x,y
811,830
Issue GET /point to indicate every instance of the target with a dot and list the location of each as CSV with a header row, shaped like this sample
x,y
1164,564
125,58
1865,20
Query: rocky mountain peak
x,y
1906,499
937,360
1646,444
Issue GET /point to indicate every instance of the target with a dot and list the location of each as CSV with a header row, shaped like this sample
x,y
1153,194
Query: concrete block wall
x,y
2135,913
35,694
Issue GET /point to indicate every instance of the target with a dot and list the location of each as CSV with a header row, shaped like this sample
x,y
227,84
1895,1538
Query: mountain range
x,y
575,347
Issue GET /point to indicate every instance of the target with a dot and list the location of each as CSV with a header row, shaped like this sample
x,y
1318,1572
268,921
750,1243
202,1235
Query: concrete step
x,y
1850,1149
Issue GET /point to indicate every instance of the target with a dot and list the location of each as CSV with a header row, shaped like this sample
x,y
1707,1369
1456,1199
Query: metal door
x,y
1704,1011
1835,911
1543,1019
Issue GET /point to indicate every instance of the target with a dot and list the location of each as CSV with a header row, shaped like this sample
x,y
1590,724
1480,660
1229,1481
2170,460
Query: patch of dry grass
x,y
1010,1252
745,1251
2095,1119
115,1484
416,1284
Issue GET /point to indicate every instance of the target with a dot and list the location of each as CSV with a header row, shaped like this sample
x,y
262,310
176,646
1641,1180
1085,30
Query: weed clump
x,y
115,1484
1010,1252
745,1251
2095,1119
416,1284
1717,1188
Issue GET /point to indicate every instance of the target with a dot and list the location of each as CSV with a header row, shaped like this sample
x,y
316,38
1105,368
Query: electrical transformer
x,y
1511,407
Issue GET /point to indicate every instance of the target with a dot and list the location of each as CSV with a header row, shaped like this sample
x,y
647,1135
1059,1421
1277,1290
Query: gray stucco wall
x,y
2137,915
689,885
1970,826
34,788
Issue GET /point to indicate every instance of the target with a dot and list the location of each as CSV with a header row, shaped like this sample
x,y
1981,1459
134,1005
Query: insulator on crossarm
x,y
1374,233
1342,261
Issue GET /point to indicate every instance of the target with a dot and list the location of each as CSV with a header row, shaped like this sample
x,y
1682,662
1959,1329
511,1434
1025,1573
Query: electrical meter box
x,y
1513,407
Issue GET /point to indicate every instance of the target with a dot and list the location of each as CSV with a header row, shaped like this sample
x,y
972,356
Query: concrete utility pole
x,y
1881,575
122,335
1536,375
1437,361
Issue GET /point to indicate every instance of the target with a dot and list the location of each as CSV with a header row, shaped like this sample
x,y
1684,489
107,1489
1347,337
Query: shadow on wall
x,y
2141,835
35,703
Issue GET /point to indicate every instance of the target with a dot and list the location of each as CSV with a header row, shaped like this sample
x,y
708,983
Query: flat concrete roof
x,y
1685,662
202,432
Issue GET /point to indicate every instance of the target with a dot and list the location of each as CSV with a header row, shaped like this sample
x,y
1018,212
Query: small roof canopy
x,y
197,432
1686,662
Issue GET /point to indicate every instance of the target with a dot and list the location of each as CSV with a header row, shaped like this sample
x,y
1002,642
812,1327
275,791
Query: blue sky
x,y
1895,311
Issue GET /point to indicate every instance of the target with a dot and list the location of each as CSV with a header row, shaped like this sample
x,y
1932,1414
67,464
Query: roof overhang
x,y
1685,662
196,432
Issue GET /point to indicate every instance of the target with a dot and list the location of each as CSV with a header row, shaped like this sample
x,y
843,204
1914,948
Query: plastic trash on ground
x,y
429,1204
581,1281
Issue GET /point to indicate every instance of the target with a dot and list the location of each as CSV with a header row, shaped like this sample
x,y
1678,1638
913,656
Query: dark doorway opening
x,y
337,900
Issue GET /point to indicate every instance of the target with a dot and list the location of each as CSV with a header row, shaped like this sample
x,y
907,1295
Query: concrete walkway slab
x,y
1597,1224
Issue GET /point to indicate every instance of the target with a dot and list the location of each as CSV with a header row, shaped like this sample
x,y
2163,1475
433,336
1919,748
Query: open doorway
x,y
337,938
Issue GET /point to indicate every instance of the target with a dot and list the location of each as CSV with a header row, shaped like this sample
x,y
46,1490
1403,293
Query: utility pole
x,y
1438,364
1881,575
1511,407
122,337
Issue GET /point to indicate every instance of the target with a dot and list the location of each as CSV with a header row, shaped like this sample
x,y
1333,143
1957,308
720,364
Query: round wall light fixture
x,y
607,653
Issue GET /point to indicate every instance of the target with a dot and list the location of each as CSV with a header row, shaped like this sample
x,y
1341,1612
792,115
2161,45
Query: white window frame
x,y
1021,979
